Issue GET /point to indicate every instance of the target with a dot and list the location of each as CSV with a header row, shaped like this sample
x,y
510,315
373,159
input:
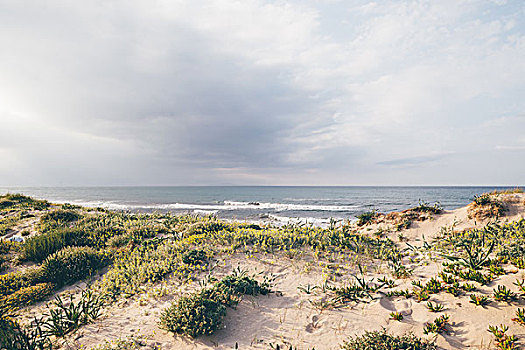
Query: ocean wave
x,y
226,206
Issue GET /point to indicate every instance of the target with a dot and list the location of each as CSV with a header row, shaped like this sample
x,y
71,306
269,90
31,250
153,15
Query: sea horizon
x,y
281,204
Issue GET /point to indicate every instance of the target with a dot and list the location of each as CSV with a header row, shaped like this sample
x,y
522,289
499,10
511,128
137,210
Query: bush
x,y
424,207
27,296
118,241
366,218
60,215
381,340
241,283
72,264
6,203
57,218
193,315
37,248
10,200
11,282
201,313
194,257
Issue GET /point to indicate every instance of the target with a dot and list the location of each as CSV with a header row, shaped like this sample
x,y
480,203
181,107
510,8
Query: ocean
x,y
259,203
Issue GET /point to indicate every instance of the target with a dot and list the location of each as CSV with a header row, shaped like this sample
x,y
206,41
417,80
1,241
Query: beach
x,y
397,271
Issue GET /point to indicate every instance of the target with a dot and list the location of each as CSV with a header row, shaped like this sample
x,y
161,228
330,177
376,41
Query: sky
x,y
309,92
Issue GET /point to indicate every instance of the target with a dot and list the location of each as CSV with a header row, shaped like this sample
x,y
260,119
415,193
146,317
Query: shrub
x,y
11,282
241,283
118,241
222,294
396,316
144,264
201,313
194,257
366,217
27,295
435,307
520,316
193,315
483,199
485,206
479,300
11,200
502,293
57,218
6,203
503,340
72,264
8,222
381,340
438,326
37,248
424,207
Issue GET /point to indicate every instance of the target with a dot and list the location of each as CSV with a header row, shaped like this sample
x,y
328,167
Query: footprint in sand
x,y
387,304
404,307
315,324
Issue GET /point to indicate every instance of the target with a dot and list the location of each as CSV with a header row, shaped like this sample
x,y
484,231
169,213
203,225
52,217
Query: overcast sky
x,y
307,92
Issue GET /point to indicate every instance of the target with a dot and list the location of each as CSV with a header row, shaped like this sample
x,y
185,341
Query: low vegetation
x,y
202,312
486,206
381,340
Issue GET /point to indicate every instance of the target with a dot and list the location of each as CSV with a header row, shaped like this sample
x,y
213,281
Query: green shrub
x,y
366,218
57,218
424,207
69,206
13,281
222,294
3,264
483,199
6,203
241,283
381,340
193,315
37,248
60,215
72,264
202,312
194,257
118,241
17,200
27,295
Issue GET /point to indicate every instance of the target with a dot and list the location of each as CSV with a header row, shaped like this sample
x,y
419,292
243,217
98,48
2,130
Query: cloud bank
x,y
262,92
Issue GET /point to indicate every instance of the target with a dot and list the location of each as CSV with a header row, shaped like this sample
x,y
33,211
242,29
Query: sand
x,y
288,316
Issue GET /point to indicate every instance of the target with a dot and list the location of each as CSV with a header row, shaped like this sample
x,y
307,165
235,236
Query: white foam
x,y
227,205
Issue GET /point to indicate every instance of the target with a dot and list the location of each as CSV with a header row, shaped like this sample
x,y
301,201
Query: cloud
x,y
413,161
136,92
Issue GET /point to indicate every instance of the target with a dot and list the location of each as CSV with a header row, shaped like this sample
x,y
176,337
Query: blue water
x,y
255,202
